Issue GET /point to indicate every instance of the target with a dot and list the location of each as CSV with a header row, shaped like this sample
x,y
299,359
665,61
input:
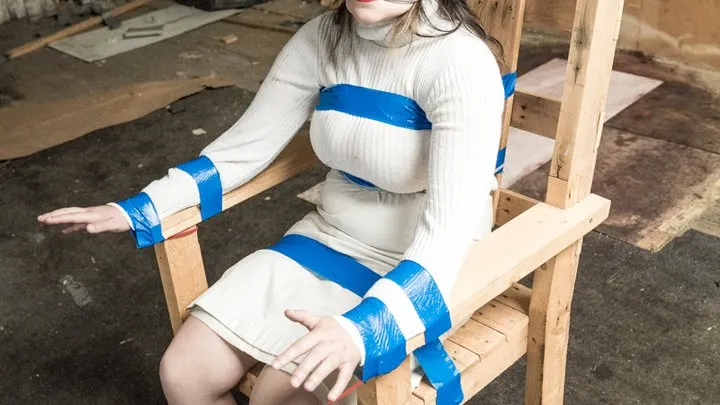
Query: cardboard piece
x,y
27,128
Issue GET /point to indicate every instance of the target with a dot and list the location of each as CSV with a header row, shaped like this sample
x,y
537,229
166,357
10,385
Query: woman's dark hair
x,y
340,24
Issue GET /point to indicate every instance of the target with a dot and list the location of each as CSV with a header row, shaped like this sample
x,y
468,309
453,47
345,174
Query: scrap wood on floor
x,y
27,128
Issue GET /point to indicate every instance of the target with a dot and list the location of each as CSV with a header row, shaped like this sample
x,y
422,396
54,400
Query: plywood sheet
x,y
26,128
103,43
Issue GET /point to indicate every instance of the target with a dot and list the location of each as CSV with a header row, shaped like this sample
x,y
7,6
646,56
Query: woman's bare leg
x,y
273,388
200,368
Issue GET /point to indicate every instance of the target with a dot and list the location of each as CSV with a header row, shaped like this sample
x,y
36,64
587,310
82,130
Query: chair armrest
x,y
516,249
296,158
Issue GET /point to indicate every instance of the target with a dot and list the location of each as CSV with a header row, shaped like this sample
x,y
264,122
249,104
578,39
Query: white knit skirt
x,y
246,306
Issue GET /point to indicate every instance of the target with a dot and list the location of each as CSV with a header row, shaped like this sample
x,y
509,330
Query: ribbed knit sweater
x,y
456,81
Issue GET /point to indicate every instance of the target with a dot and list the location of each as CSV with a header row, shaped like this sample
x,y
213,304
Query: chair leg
x,y
182,272
548,331
390,389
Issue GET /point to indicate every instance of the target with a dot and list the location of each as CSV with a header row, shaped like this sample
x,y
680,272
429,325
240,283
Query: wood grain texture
x,y
592,48
389,389
495,342
182,273
512,204
535,114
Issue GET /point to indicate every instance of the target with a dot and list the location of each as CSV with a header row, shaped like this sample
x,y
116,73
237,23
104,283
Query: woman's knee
x,y
200,363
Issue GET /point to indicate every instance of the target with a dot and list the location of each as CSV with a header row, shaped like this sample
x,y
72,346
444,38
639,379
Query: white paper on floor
x,y
103,42
527,151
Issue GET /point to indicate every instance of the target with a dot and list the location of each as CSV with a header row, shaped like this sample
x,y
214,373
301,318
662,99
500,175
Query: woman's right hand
x,y
103,218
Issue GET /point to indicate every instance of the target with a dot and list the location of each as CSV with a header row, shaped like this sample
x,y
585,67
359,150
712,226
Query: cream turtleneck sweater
x,y
456,81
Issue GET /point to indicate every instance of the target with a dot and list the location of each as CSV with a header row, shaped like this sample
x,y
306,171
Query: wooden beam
x,y
297,157
503,20
535,114
514,250
556,15
389,389
512,204
592,49
182,273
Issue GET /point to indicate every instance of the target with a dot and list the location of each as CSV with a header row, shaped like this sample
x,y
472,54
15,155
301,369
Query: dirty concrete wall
x,y
684,31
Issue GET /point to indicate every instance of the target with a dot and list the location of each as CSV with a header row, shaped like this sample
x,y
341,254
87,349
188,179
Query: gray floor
x,y
82,318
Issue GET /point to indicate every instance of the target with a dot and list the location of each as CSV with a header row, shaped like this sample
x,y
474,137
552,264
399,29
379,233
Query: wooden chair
x,y
508,320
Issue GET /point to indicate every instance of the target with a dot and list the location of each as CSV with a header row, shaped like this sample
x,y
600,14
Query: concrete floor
x,y
83,319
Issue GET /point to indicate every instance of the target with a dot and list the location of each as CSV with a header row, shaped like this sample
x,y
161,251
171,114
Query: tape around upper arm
x,y
145,220
207,178
441,371
419,285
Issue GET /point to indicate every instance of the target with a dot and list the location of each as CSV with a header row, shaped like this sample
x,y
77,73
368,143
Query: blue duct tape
x,y
384,342
500,164
145,220
389,108
207,178
327,263
509,81
358,180
441,371
425,296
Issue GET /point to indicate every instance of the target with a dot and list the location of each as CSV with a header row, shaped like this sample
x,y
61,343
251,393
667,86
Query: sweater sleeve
x,y
465,106
283,103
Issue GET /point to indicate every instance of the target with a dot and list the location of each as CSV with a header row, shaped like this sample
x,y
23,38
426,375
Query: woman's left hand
x,y
328,347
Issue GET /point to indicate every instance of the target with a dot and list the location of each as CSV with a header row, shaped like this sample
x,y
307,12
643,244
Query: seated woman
x,y
406,103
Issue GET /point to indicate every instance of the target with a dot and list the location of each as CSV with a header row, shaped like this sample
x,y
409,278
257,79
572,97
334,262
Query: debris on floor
x,y
229,39
103,42
198,131
22,133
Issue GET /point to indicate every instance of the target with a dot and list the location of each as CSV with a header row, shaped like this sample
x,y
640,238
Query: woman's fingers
x,y
85,216
61,211
317,355
74,228
300,347
328,365
343,379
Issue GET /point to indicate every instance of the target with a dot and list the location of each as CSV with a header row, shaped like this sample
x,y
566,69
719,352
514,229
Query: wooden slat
x,y
510,205
556,15
514,250
478,338
297,157
535,114
182,273
592,48
498,347
501,318
517,297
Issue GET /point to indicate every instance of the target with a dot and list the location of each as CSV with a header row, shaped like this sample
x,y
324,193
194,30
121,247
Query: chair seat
x,y
492,340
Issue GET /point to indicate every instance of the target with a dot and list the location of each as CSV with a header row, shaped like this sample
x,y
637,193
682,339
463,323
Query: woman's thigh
x,y
273,388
